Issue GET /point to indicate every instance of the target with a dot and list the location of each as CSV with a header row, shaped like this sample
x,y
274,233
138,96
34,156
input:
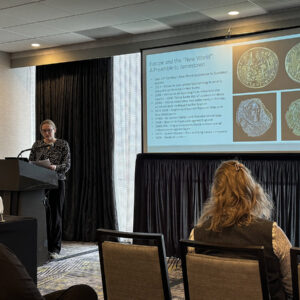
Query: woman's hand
x,y
52,167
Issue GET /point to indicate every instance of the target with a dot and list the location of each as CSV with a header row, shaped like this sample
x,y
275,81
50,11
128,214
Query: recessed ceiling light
x,y
35,45
233,13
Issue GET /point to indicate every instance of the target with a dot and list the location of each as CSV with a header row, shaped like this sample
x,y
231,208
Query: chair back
x,y
215,272
133,271
295,267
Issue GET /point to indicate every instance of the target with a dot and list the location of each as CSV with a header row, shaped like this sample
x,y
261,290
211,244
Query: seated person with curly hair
x,y
237,213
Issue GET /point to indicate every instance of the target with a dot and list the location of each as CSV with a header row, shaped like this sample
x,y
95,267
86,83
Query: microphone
x,y
38,147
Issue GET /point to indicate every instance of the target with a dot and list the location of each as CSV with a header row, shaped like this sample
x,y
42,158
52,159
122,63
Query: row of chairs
x,y
138,269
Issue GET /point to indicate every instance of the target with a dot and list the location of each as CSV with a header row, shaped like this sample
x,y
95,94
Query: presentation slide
x,y
231,95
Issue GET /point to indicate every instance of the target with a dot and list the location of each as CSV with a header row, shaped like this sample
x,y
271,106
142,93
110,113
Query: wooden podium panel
x,y
22,187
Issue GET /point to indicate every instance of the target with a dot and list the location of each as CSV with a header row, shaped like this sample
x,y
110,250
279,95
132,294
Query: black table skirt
x,y
19,234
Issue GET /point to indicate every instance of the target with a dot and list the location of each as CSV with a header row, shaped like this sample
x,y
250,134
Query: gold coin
x,y
292,63
253,117
292,117
257,67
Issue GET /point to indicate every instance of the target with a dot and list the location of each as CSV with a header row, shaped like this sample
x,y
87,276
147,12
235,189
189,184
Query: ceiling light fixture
x,y
233,13
35,45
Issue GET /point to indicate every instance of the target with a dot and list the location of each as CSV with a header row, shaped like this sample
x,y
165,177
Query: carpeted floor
x,y
79,263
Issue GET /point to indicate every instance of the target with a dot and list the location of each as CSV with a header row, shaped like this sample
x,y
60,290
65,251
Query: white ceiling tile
x,y
184,19
80,22
95,20
76,23
123,15
202,5
246,9
7,36
103,32
7,21
160,8
35,12
12,3
142,26
51,41
66,38
80,6
33,31
24,45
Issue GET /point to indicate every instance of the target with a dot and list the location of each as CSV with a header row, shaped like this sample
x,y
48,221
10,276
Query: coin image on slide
x,y
292,117
253,117
292,63
257,67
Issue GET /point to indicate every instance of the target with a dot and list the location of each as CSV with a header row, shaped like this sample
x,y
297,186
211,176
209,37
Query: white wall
x,y
17,108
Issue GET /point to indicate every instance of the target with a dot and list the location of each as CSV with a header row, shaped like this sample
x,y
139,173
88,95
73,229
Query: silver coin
x,y
292,117
253,117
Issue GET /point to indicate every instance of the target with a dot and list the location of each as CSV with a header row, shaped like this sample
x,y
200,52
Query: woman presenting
x,y
58,153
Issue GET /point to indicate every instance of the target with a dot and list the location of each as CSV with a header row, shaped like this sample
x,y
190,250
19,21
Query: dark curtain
x,y
171,189
77,96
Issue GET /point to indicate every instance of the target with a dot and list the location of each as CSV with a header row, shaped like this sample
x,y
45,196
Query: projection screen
x,y
227,95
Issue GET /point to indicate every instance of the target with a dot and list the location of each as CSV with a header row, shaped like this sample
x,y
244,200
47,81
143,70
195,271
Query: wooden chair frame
x,y
141,238
254,252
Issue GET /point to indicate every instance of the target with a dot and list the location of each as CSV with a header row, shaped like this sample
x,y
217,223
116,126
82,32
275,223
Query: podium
x,y
22,187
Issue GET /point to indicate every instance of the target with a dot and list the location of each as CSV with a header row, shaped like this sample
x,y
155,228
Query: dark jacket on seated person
x,y
16,284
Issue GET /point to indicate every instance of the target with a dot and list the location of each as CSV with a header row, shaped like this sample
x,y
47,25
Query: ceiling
x,y
53,23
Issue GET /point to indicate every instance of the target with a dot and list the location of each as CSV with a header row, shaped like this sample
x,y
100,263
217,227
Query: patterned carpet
x,y
79,263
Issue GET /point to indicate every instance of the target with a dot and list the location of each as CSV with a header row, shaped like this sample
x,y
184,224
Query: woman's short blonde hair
x,y
235,198
50,122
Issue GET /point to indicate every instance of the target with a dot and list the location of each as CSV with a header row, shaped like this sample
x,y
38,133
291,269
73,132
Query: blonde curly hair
x,y
235,198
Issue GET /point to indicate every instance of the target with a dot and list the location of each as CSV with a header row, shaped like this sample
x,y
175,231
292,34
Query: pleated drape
x,y
77,96
170,191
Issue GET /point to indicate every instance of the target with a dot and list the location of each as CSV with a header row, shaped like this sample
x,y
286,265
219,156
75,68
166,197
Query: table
x,y
19,234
